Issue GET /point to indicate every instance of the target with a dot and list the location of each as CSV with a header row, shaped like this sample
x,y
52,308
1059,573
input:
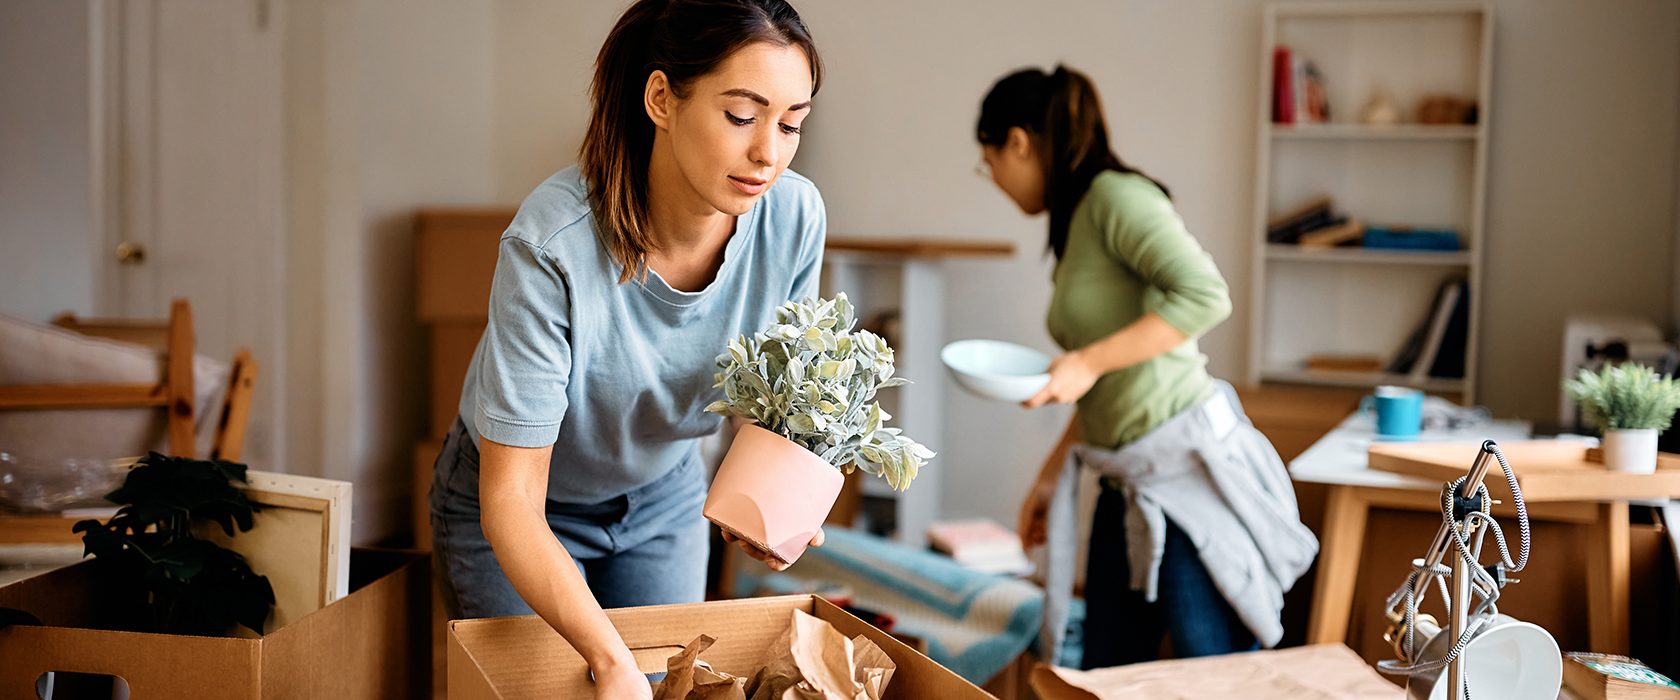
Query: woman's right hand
x,y
1035,508
623,683
1035,512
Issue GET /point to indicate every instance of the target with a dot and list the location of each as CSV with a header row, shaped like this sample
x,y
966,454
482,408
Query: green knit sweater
x,y
1127,254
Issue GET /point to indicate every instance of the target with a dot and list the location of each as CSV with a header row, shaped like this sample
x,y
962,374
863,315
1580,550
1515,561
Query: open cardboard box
x,y
510,658
373,643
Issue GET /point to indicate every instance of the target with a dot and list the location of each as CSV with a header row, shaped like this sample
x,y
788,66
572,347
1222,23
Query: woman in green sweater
x,y
1133,290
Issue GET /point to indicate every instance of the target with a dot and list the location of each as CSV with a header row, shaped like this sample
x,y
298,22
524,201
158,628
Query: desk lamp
x,y
1498,657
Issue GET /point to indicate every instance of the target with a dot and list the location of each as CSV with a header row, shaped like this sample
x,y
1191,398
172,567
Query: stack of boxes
x,y
455,260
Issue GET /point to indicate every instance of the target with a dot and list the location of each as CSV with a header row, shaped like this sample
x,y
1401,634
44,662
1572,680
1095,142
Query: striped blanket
x,y
974,623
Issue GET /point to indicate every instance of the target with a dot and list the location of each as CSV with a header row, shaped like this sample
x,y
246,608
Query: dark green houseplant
x,y
192,586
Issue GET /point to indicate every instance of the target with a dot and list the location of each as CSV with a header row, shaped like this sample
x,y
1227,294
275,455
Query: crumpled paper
x,y
689,678
810,661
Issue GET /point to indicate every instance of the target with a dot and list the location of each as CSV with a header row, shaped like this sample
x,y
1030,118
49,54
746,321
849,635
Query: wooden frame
x,y
301,541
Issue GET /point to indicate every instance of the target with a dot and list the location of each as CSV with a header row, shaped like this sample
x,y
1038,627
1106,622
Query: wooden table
x,y
1557,483
1557,472
1340,461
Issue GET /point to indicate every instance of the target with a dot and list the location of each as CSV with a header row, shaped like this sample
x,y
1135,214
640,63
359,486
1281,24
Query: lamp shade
x,y
1507,660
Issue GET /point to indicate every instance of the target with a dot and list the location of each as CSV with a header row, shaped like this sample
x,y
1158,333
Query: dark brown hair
x,y
686,39
1062,112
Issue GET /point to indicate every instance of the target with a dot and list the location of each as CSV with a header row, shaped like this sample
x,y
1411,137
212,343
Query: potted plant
x,y
192,585
807,385
1630,405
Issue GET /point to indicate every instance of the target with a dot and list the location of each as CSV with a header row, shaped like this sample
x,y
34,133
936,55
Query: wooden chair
x,y
174,394
175,339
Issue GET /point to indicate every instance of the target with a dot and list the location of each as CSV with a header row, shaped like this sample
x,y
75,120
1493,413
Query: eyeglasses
x,y
982,169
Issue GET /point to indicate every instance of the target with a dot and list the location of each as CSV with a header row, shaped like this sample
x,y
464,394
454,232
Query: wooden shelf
x,y
1354,132
1364,8
919,247
1375,256
1362,379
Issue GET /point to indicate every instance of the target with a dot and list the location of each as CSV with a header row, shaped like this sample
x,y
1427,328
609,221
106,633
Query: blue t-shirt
x,y
617,376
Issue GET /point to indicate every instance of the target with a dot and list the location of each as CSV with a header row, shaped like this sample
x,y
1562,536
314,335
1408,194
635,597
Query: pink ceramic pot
x,y
772,493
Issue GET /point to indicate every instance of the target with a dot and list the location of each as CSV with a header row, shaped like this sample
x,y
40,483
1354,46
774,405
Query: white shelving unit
x,y
1357,300
906,277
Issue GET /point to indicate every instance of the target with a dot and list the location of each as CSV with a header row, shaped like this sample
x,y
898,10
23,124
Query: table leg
x,y
1345,510
1607,579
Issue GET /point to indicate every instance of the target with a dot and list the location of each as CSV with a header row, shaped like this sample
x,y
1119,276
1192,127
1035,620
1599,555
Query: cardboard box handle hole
x,y
66,685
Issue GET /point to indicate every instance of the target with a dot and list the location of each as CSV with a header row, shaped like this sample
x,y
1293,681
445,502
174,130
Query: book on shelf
x,y
1444,304
1428,348
1298,93
1288,227
1344,232
980,544
1407,238
1450,354
1606,677
1283,86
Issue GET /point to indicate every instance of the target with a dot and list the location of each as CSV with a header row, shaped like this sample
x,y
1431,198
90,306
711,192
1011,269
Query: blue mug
x,y
1397,411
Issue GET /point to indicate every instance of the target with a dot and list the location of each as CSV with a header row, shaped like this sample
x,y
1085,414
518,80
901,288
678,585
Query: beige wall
x,y
47,239
395,105
1582,172
389,109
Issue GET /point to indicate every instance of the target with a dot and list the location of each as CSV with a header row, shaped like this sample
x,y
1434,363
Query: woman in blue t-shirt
x,y
571,482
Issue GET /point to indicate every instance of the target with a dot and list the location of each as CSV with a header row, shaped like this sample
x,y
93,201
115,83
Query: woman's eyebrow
x,y
743,92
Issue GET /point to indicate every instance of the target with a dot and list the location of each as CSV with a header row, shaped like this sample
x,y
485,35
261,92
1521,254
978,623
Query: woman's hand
x,y
1035,512
763,556
1035,508
1071,375
622,682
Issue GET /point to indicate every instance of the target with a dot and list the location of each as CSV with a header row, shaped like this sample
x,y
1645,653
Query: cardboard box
x,y
373,643
425,458
511,658
452,348
455,259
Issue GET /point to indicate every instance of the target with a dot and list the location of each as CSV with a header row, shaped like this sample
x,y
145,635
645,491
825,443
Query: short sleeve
x,y
1140,228
527,354
813,236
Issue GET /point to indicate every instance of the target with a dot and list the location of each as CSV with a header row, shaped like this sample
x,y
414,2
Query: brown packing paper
x,y
809,661
689,678
1321,672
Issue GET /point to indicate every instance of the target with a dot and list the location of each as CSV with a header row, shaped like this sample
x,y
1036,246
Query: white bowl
x,y
993,369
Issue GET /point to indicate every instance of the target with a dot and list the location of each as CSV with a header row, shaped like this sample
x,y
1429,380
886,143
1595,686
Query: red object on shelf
x,y
1283,86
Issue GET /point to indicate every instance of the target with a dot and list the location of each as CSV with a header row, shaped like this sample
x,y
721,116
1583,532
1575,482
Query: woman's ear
x,y
1018,143
657,99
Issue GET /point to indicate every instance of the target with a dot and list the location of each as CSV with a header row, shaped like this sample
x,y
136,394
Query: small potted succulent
x,y
1630,405
807,385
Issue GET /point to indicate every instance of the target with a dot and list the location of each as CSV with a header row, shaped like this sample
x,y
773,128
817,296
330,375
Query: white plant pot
x,y
1630,451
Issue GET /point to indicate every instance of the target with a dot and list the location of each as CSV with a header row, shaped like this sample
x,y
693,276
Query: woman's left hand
x,y
1071,375
763,556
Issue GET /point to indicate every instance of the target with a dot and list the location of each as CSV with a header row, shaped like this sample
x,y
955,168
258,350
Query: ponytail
x,y
1063,113
685,39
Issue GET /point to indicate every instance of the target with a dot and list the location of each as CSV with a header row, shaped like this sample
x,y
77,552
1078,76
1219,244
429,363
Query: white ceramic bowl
x,y
993,369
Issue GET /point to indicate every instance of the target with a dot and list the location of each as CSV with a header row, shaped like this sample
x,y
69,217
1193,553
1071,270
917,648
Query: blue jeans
x,y
1121,627
647,547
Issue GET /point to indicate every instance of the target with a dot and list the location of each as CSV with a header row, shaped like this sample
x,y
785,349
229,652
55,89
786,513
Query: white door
x,y
188,140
